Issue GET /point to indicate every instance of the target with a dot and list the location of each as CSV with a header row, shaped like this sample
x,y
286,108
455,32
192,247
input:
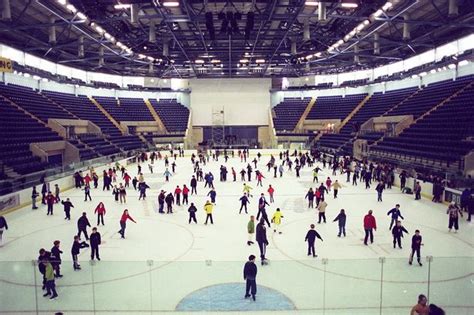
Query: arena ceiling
x,y
235,38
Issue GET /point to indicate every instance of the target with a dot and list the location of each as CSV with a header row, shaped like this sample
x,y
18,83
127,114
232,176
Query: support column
x,y
376,44
52,31
406,28
80,49
6,12
152,35
322,11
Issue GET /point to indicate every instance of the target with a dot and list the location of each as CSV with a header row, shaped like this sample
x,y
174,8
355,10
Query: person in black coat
x,y
95,241
470,208
395,213
310,238
380,187
193,185
341,218
250,275
67,208
43,255
34,195
192,213
244,200
169,203
261,237
76,248
56,258
416,243
82,225
397,233
3,226
310,196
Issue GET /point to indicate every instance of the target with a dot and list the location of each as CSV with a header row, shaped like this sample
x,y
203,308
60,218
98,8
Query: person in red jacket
x,y
259,178
50,200
87,179
369,225
100,210
123,222
185,194
271,190
177,195
127,179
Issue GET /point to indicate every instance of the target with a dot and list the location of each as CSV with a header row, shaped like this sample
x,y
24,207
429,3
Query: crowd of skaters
x,y
382,174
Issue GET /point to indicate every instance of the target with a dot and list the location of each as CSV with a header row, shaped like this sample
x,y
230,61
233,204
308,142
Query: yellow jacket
x,y
208,207
277,217
336,185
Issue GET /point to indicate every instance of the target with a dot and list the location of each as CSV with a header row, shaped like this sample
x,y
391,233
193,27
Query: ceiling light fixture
x,y
122,6
260,61
311,3
71,8
349,4
200,61
170,3
62,2
81,16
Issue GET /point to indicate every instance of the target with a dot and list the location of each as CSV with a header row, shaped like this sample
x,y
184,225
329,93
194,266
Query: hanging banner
x,y
6,65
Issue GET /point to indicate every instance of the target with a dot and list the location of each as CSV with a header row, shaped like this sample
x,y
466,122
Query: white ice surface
x,y
125,282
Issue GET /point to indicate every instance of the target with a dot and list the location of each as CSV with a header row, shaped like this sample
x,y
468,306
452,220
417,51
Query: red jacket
x,y
87,179
271,190
369,222
177,191
100,210
185,190
125,217
50,199
126,178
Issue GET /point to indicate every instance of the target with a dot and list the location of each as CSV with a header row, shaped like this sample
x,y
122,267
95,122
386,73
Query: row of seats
x,y
377,105
17,131
173,114
441,135
335,107
288,113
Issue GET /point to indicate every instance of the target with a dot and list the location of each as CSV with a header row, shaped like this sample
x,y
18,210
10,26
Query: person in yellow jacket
x,y
208,208
276,220
336,186
247,189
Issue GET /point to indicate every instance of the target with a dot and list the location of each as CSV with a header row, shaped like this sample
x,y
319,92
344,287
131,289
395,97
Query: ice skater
x,y
395,214
50,201
453,212
270,191
310,196
100,210
56,258
397,233
67,208
311,236
250,274
380,188
87,193
212,194
49,277
370,225
3,227
261,237
251,230
208,207
276,220
244,200
95,241
123,222
336,186
322,211
416,243
82,225
247,189
192,213
341,220
77,245
142,187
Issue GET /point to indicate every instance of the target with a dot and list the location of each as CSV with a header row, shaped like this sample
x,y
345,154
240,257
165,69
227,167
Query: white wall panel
x,y
245,101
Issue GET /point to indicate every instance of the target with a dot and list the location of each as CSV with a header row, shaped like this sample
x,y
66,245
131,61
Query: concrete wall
x,y
69,153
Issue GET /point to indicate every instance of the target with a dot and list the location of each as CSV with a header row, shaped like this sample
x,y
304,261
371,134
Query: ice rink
x,y
166,264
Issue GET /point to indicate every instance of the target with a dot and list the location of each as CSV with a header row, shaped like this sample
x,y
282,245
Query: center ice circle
x,y
229,297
